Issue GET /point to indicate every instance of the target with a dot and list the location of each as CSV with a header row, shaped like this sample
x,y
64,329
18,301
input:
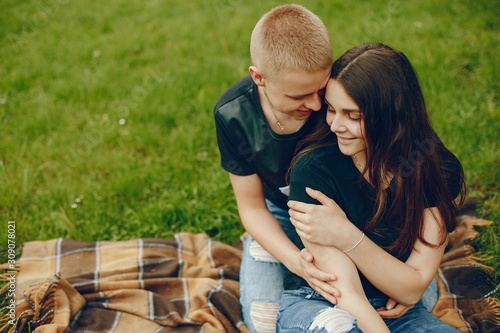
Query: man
x,y
259,122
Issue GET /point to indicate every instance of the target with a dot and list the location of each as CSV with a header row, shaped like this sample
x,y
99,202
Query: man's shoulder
x,y
236,95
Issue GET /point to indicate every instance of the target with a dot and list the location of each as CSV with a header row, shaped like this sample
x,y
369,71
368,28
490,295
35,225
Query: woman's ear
x,y
257,76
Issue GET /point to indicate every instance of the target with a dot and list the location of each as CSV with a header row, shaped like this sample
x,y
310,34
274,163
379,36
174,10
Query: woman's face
x,y
345,119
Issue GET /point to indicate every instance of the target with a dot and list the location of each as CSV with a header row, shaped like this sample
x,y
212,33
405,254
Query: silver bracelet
x,y
352,248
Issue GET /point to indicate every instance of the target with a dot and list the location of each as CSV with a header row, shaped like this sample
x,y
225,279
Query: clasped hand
x,y
317,279
319,224
321,282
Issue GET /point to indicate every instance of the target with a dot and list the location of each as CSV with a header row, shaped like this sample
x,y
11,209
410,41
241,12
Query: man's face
x,y
297,94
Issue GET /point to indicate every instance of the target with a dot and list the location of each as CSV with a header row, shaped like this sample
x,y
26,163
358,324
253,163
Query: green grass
x,y
107,106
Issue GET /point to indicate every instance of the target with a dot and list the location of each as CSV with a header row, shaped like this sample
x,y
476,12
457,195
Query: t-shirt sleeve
x,y
451,171
308,172
235,153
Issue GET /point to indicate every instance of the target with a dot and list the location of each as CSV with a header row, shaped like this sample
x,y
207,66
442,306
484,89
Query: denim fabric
x,y
262,281
429,298
299,308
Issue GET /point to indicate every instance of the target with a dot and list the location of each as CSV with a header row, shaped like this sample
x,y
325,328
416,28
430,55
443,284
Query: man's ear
x,y
257,76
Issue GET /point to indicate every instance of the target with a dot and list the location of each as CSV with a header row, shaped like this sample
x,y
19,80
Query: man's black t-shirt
x,y
248,145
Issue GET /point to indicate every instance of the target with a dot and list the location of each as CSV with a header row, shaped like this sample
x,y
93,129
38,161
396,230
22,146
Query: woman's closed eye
x,y
354,115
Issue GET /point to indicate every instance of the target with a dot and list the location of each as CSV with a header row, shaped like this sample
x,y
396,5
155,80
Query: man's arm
x,y
257,219
267,231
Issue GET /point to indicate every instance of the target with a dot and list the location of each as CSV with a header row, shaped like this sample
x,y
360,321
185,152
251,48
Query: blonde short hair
x,y
290,38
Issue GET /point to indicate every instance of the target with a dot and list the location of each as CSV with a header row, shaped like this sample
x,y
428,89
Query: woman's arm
x,y
353,299
413,277
266,230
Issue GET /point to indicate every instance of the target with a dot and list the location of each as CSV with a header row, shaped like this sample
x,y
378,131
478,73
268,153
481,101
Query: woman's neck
x,y
359,160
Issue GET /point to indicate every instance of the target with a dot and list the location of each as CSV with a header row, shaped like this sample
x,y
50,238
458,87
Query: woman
x,y
392,185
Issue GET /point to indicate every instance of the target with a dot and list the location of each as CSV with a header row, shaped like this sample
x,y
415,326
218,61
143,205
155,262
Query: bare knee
x,y
264,316
258,253
333,320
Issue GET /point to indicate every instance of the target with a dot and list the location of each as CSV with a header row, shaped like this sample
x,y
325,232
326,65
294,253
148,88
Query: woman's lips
x,y
345,141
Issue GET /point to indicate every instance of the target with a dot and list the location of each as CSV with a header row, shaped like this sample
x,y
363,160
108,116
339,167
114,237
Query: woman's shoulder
x,y
322,167
327,152
326,158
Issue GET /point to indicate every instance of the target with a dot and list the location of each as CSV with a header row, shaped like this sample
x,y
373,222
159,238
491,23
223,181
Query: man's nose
x,y
313,102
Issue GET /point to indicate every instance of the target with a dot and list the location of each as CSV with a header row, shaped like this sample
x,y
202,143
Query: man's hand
x,y
393,309
320,224
317,279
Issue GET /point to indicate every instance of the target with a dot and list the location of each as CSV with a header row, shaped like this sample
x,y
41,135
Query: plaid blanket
x,y
189,283
465,284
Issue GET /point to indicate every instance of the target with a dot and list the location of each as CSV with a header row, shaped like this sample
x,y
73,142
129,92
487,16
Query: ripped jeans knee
x,y
333,320
263,315
261,286
258,253
304,310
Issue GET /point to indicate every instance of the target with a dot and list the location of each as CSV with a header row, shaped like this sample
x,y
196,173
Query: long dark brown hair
x,y
400,141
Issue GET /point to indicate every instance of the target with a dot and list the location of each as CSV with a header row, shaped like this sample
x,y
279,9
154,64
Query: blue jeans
x,y
301,311
261,280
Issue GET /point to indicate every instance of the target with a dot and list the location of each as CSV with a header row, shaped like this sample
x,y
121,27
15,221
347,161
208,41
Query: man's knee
x,y
258,253
263,316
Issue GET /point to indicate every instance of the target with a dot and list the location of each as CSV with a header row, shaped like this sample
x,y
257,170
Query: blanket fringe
x,y
494,305
482,259
7,267
463,236
38,315
476,262
4,319
5,328
468,222
466,257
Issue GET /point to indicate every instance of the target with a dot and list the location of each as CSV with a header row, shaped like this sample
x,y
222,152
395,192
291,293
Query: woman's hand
x,y
321,224
393,309
318,280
